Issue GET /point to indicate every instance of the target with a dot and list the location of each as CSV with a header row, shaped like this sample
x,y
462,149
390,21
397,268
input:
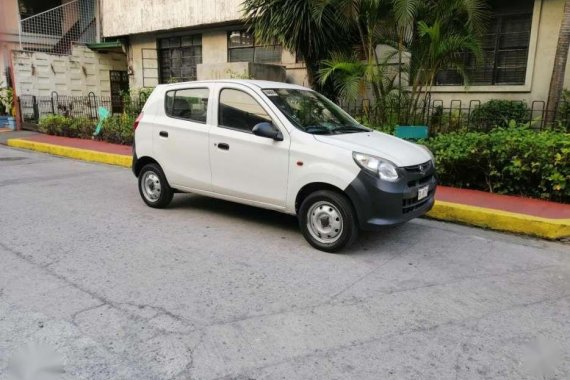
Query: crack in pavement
x,y
323,353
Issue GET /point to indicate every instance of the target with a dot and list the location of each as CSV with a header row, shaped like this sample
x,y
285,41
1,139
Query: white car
x,y
281,147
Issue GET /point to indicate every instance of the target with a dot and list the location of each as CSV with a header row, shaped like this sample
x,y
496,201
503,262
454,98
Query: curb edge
x,y
70,152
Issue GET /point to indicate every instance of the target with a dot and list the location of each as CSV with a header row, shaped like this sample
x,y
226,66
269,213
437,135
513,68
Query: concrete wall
x,y
241,70
140,46
9,34
127,17
215,46
77,74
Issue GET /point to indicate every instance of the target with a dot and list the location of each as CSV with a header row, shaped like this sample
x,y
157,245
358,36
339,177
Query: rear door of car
x,y
181,136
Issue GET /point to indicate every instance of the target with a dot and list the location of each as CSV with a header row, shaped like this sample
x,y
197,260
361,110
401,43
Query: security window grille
x,y
242,48
178,58
505,49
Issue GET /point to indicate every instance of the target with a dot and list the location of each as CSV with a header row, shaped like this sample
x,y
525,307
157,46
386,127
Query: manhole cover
x,y
12,158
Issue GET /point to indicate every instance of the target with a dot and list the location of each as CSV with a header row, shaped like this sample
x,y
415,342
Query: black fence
x,y
440,117
443,117
32,107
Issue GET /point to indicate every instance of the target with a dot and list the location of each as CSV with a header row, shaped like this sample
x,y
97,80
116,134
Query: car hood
x,y
400,152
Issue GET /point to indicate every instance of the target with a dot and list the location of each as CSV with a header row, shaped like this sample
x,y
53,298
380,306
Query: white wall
x,y
77,74
126,17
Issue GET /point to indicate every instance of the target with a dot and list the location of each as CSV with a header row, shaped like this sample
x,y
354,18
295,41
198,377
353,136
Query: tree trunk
x,y
559,70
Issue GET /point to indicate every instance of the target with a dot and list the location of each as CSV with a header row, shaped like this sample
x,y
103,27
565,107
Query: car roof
x,y
252,83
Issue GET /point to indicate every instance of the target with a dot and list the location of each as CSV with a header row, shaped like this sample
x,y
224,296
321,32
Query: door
x,y
244,165
180,140
119,85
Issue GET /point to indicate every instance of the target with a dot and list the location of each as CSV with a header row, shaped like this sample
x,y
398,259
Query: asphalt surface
x,y
209,289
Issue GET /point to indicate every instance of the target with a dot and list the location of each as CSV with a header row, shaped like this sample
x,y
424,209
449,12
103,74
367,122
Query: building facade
x,y
202,39
192,39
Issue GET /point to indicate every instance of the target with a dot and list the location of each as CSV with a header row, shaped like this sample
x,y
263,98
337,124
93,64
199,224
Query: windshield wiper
x,y
318,130
349,129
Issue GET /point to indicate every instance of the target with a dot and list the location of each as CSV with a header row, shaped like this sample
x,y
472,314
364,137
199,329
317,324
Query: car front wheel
x,y
153,187
328,221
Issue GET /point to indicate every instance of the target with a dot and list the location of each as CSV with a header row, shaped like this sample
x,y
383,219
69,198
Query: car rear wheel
x,y
153,187
328,221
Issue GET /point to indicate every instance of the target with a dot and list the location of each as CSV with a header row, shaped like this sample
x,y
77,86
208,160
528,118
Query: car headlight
x,y
377,166
428,152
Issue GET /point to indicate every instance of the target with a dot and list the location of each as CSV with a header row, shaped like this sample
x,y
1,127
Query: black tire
x,y
340,207
163,196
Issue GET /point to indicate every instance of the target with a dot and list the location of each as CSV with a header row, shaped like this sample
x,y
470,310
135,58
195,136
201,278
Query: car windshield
x,y
313,113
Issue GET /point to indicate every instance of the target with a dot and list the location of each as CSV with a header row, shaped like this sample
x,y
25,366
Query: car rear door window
x,y
189,104
239,110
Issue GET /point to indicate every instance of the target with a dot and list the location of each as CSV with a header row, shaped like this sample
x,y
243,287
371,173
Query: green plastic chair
x,y
102,113
412,132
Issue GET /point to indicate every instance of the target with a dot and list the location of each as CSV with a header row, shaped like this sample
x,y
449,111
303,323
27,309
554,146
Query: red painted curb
x,y
510,203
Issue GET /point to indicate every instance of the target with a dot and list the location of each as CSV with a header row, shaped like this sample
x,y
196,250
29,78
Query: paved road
x,y
208,289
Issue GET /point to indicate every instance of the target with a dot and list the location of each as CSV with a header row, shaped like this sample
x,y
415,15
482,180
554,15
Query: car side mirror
x,y
266,129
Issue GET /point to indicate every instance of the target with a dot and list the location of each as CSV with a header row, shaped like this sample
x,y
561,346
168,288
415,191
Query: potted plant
x,y
7,108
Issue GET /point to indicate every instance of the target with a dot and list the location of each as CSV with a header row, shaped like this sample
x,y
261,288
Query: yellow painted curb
x,y
501,220
77,153
453,212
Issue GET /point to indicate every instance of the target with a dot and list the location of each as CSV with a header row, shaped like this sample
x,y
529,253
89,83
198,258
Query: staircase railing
x,y
55,30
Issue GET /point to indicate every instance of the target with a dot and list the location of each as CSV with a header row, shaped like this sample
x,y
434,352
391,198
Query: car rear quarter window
x,y
239,110
188,104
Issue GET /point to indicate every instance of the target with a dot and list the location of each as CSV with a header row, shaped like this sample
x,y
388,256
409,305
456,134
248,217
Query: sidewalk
x,y
498,212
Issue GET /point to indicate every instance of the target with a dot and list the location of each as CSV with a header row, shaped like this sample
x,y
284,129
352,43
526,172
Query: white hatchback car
x,y
282,147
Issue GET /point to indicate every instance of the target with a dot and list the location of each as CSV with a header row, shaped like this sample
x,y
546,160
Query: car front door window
x,y
240,111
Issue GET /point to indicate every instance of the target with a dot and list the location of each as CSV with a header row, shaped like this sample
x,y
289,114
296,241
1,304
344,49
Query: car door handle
x,y
163,134
223,146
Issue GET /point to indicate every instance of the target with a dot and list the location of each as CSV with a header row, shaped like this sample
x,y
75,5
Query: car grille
x,y
418,175
419,182
421,168
411,204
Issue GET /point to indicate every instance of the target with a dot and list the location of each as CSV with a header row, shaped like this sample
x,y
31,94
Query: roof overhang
x,y
107,47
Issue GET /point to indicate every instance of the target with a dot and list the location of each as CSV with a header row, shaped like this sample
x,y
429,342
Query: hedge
x,y
116,129
512,160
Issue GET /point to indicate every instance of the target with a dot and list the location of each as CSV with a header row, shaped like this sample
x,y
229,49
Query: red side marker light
x,y
299,163
137,121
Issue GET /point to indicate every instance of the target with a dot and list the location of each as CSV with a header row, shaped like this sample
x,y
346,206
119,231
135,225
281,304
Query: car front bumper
x,y
381,203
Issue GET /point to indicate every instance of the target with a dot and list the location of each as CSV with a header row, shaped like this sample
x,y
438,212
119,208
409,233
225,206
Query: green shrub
x,y
54,124
118,129
59,125
514,160
499,113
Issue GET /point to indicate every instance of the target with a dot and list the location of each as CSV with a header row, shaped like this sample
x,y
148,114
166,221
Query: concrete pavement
x,y
208,289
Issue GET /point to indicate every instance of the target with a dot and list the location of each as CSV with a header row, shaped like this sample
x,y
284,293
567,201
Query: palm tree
x,y
309,28
559,69
432,34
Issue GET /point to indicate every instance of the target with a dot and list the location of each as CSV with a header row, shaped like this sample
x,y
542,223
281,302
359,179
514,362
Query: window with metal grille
x,y
505,48
178,58
243,48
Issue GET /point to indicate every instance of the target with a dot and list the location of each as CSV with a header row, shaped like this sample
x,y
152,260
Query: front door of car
x,y
182,137
245,165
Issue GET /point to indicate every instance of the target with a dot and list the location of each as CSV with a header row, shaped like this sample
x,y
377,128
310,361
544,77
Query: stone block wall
x,y
77,74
